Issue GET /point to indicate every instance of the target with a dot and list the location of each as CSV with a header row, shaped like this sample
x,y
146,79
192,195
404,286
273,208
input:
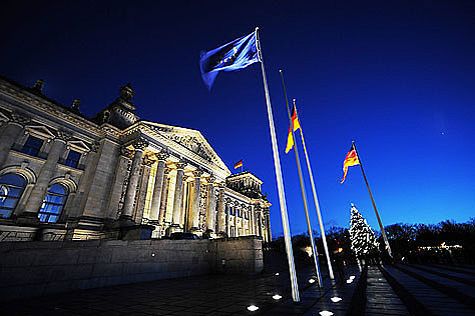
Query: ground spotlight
x,y
349,281
277,273
336,299
326,313
311,281
252,308
277,297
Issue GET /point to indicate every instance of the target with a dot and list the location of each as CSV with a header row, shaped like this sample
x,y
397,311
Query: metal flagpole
x,y
280,182
302,185
315,199
385,238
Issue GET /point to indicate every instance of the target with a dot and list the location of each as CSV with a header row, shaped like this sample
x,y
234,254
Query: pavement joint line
x,y
444,289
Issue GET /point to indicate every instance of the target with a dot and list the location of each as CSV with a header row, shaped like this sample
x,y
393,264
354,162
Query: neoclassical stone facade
x,y
66,176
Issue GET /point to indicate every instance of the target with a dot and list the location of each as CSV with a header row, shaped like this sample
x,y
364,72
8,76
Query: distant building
x,y
66,176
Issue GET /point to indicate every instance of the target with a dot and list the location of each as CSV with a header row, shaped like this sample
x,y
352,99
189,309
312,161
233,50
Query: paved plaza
x,y
379,290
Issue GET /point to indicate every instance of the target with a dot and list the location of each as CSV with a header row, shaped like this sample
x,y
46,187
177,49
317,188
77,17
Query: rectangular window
x,y
32,146
73,159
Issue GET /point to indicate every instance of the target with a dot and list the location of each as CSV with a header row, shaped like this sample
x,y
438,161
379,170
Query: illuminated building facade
x,y
66,176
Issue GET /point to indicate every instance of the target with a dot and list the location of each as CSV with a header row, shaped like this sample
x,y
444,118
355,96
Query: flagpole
x,y
383,233
280,182
315,199
302,185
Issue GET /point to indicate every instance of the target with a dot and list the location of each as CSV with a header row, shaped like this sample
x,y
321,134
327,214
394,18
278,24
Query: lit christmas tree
x,y
363,241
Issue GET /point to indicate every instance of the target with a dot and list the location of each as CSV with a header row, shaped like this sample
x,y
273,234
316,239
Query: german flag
x,y
351,159
296,126
238,164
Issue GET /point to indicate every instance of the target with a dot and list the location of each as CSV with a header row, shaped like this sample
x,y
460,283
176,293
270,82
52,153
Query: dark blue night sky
x,y
398,78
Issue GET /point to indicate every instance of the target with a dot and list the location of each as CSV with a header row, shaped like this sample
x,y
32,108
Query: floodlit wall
x,y
30,269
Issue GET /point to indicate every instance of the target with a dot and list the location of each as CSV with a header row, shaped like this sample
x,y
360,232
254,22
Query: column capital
x,y
180,165
140,144
147,161
167,170
128,153
212,181
162,155
198,173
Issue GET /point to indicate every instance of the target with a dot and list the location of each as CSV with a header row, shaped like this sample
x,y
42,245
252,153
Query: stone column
x,y
38,193
163,202
221,211
259,224
195,203
211,207
128,208
158,187
252,227
228,217
10,134
237,209
177,199
269,235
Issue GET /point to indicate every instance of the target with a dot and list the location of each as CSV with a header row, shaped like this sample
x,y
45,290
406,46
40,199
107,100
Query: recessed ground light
x,y
311,281
349,281
352,277
276,297
277,273
153,255
252,308
335,299
326,313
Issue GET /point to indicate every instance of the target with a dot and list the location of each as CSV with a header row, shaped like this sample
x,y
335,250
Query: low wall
x,y
39,268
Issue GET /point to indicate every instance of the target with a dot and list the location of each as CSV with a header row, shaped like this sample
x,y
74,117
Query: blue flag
x,y
234,55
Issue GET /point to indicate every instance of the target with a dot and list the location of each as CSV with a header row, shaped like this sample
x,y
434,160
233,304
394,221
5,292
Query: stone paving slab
x,y
433,300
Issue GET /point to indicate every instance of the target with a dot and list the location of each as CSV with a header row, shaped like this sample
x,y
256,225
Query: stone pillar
x,y
228,217
38,193
195,203
252,221
269,235
237,209
221,211
84,183
128,208
158,187
142,192
211,207
10,134
259,223
163,202
178,197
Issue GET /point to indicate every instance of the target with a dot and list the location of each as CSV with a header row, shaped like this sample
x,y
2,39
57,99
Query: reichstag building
x,y
64,176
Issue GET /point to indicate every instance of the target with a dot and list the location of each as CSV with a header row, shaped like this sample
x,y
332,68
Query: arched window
x,y
11,189
53,203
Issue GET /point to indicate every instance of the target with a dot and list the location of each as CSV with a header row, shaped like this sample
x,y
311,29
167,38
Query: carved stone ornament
x,y
147,161
181,165
167,170
163,155
211,180
198,173
95,146
185,177
124,151
20,118
64,135
140,144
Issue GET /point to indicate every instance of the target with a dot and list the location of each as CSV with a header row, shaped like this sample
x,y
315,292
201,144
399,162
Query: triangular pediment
x,y
80,145
191,139
40,130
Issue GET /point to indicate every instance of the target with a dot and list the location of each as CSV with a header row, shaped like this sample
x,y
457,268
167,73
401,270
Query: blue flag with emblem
x,y
232,56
